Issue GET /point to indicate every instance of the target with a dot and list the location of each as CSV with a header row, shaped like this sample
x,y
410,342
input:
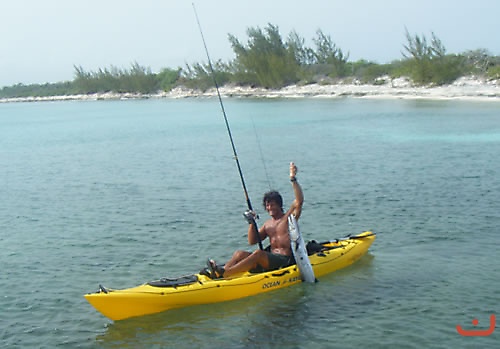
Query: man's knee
x,y
239,254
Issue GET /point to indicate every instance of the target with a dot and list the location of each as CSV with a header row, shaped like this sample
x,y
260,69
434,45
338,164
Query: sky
x,y
42,40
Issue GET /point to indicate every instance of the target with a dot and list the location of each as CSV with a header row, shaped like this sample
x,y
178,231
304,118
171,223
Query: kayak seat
x,y
313,247
180,281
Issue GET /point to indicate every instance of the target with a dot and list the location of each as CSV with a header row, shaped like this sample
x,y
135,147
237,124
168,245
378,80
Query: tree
x,y
304,56
330,56
429,63
167,78
266,58
137,79
200,76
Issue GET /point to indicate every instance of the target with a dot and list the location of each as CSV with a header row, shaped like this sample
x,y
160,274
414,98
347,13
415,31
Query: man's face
x,y
273,208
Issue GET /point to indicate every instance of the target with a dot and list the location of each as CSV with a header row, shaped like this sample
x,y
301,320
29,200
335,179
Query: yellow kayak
x,y
165,294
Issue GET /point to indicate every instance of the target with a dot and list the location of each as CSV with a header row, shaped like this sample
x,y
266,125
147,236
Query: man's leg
x,y
236,258
249,262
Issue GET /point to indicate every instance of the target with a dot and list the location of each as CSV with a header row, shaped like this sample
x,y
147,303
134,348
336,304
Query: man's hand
x,y
250,216
293,171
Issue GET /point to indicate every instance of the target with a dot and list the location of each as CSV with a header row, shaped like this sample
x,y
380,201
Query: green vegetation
x,y
39,90
428,63
266,60
137,79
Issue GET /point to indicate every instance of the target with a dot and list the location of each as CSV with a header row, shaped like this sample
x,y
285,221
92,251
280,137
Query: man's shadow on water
x,y
248,322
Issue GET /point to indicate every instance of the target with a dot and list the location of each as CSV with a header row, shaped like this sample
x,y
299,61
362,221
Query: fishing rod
x,y
235,154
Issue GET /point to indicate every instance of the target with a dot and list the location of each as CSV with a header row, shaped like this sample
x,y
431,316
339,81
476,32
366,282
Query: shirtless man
x,y
276,228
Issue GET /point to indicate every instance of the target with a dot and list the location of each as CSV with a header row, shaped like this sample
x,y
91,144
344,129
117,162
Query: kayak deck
x,y
165,294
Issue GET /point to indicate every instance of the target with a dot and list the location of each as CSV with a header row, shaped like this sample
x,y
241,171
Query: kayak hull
x,y
148,299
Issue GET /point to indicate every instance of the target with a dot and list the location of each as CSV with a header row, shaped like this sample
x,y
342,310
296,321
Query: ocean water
x,y
123,192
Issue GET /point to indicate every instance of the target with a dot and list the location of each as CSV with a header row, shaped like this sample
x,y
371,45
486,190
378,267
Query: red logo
x,y
478,333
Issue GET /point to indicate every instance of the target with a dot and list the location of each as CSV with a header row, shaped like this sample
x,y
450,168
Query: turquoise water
x,y
123,192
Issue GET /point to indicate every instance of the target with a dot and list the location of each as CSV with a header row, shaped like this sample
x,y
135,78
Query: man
x,y
276,228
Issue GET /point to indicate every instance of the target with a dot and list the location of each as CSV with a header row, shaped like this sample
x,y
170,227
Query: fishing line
x,y
235,154
261,154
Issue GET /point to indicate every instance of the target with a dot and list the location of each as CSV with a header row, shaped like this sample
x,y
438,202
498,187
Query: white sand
x,y
466,88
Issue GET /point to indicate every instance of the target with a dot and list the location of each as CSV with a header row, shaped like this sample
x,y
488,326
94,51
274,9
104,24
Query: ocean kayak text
x,y
278,283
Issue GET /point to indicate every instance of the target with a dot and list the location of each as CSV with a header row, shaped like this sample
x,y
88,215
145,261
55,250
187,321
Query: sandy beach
x,y
465,88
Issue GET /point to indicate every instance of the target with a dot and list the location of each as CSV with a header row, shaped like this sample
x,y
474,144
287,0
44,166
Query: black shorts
x,y
277,261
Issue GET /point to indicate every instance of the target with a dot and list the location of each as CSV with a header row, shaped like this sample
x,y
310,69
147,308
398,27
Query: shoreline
x,y
465,88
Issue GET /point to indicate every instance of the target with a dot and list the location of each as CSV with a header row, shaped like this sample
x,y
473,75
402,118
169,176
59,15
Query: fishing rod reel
x,y
250,216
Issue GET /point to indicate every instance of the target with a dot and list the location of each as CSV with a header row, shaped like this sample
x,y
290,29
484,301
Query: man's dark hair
x,y
273,195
